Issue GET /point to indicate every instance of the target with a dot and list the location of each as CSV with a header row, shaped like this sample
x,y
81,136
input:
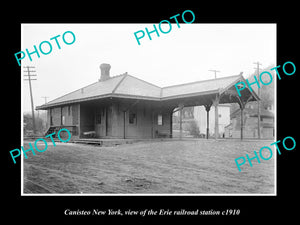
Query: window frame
x,y
132,120
160,119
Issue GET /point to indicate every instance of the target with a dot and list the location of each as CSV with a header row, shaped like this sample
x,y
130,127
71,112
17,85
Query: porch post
x,y
124,124
79,123
180,123
207,108
242,121
152,124
180,120
216,103
242,103
171,124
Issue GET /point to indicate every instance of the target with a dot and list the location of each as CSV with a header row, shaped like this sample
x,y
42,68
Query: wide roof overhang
x,y
188,94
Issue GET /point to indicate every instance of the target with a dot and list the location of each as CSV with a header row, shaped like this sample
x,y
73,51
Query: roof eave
x,y
190,95
239,79
49,105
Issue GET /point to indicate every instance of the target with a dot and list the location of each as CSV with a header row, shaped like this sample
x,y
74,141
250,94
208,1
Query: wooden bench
x,y
162,134
90,134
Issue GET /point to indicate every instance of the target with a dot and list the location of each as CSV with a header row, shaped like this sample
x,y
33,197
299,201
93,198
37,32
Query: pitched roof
x,y
132,86
96,89
127,86
205,86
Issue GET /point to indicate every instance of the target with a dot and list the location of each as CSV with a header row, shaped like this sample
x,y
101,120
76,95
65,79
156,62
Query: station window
x,y
69,110
132,118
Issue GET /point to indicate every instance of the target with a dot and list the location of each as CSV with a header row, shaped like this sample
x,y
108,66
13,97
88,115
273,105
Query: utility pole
x,y
215,71
30,88
45,97
258,102
45,119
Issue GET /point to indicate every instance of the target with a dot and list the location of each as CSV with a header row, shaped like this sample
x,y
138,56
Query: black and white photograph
x,y
160,117
119,116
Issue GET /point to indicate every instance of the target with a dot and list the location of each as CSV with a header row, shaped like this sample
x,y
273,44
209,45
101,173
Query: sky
x,y
183,55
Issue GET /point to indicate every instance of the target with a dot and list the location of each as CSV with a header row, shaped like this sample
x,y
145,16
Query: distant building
x,y
251,123
201,118
199,115
187,120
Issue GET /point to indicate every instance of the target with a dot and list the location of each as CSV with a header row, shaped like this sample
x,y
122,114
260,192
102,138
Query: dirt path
x,y
198,166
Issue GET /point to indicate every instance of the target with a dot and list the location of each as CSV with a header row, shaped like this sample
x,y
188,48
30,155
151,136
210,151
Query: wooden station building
x,y
125,106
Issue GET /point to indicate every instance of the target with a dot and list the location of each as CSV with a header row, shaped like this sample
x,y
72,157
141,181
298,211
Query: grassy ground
x,y
194,166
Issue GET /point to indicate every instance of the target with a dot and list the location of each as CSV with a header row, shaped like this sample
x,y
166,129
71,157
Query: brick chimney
x,y
104,67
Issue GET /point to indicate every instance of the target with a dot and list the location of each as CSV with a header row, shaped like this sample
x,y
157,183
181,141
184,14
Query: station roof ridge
x,y
128,86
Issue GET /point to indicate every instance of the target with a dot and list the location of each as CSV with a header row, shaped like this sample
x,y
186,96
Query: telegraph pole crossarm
x,y
45,97
215,71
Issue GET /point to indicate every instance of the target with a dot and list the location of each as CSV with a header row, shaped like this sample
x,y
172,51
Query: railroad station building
x,y
124,106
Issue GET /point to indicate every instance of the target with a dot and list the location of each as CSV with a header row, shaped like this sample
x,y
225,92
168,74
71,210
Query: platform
x,y
110,142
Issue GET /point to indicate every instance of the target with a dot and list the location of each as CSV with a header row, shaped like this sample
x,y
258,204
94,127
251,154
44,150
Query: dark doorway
x,y
109,121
